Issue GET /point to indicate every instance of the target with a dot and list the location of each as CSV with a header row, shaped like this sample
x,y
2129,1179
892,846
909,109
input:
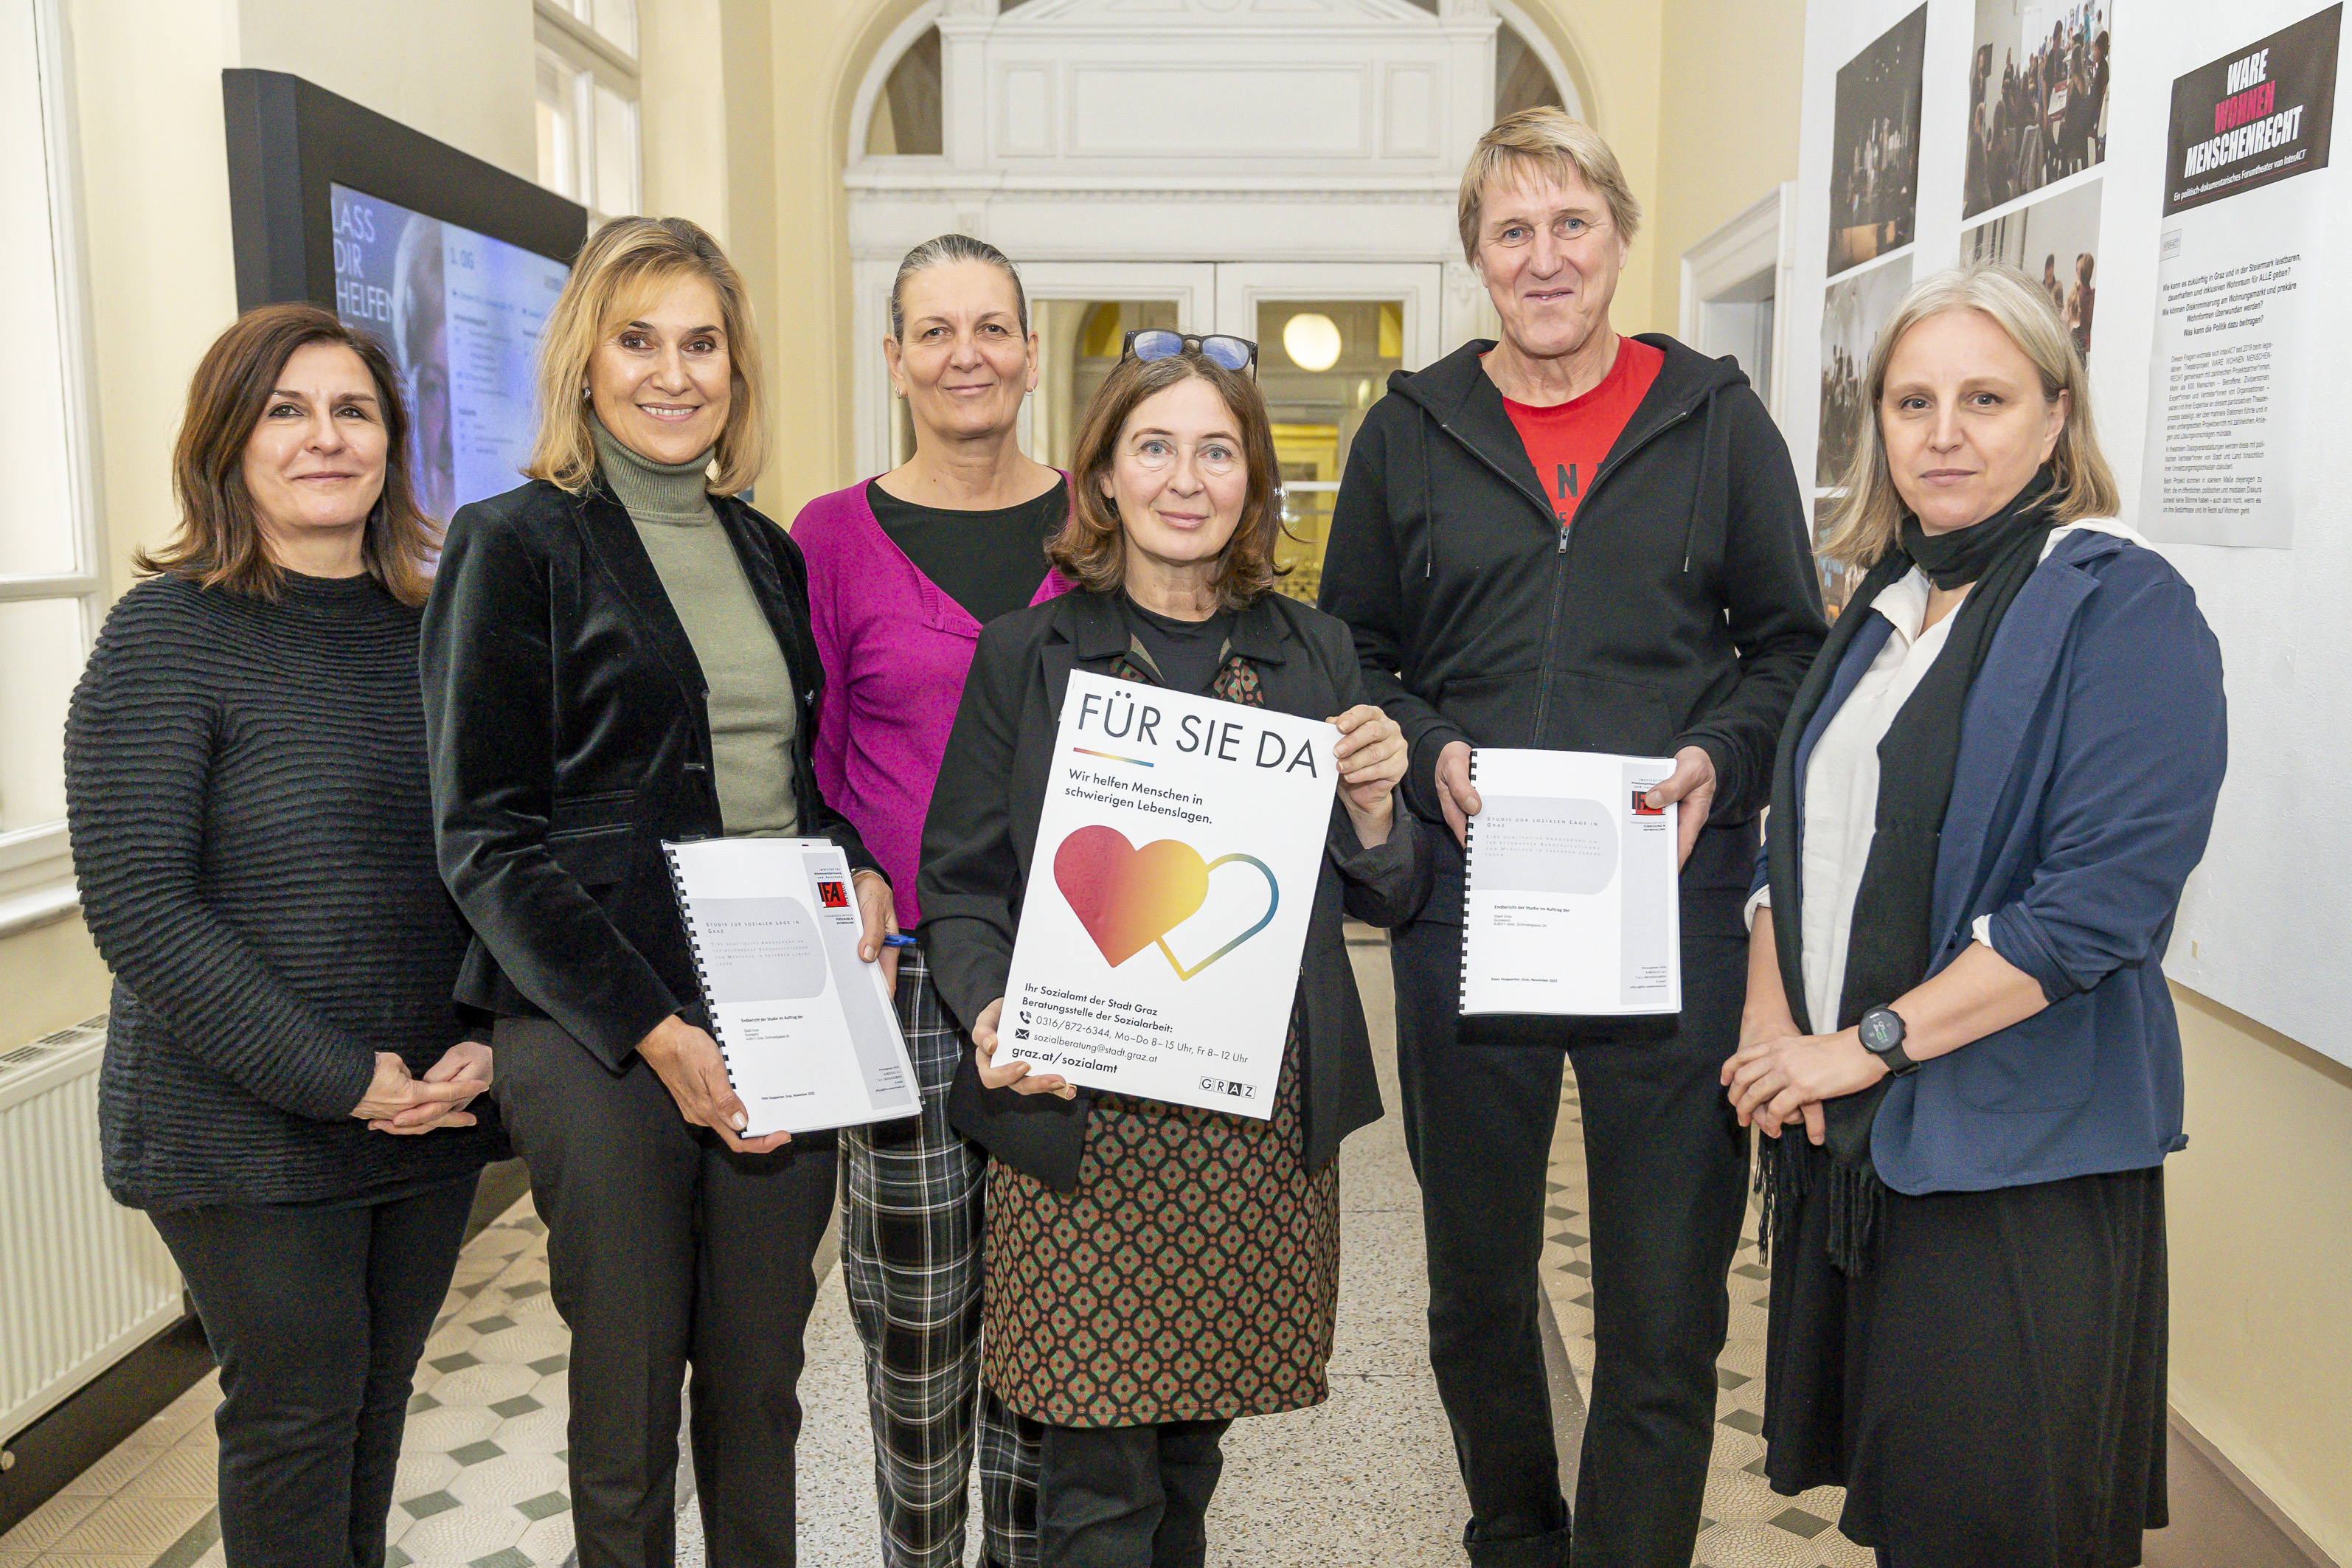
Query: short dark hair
x,y
1091,549
218,542
939,252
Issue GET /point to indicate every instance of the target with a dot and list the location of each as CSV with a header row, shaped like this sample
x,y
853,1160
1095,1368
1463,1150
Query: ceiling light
x,y
1311,339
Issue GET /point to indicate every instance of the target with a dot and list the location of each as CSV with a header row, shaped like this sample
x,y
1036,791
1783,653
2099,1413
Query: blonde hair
x,y
621,263
1866,518
1548,138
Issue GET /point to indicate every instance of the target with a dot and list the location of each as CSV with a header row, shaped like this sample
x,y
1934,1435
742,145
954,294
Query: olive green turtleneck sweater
x,y
752,715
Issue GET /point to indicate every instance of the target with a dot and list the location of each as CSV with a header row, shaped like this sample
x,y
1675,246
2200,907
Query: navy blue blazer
x,y
2091,752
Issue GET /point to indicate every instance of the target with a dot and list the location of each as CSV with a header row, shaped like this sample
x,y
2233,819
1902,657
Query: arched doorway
x,y
1284,170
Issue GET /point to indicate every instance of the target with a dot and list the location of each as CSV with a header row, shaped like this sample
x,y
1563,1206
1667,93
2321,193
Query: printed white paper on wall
x,y
2237,277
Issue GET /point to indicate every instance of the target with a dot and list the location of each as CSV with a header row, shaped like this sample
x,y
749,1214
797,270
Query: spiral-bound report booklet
x,y
1571,904
808,1031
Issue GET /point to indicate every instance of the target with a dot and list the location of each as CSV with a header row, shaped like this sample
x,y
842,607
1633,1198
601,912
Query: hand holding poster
x,y
1177,857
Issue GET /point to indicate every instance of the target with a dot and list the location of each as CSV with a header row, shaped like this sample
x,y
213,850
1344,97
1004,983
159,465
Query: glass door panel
x,y
1078,342
1082,312
1328,337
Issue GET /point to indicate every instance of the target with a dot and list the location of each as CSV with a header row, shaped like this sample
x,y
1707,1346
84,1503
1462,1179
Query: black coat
x,y
565,710
980,836
1682,609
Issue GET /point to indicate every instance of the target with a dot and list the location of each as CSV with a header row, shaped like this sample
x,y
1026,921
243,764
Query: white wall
x,y
458,70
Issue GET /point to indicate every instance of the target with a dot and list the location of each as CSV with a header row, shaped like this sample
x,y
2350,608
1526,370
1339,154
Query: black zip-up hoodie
x,y
1681,608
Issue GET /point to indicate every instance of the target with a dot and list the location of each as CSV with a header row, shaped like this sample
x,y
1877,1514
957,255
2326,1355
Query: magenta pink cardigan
x,y
896,651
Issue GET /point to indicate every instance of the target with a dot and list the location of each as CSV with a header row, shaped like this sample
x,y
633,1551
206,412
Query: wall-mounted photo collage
x,y
2037,98
2035,137
1873,220
1874,169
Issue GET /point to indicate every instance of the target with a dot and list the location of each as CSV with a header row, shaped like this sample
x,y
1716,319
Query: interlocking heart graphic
x,y
1130,899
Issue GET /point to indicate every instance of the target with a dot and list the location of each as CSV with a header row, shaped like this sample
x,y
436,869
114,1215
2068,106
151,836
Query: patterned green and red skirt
x,y
1193,1275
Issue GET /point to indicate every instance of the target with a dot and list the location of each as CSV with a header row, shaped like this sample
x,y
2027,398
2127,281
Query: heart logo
x,y
1130,899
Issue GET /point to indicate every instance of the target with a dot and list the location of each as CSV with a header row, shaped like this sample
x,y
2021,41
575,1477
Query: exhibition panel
x,y
2164,174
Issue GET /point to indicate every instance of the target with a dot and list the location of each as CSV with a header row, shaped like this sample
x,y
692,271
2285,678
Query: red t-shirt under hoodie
x,y
1568,441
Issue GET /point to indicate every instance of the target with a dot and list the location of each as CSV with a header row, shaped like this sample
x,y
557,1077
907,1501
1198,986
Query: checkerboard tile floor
x,y
1747,1524
481,1481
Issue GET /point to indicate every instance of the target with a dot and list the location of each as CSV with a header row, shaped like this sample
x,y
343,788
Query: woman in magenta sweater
x,y
903,571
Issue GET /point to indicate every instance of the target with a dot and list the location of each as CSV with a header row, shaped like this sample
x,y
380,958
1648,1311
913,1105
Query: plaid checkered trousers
x,y
912,1227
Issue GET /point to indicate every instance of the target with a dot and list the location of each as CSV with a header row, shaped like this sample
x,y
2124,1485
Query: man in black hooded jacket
x,y
1578,541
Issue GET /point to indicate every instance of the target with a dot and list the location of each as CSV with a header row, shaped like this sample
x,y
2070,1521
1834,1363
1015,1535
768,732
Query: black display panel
x,y
452,262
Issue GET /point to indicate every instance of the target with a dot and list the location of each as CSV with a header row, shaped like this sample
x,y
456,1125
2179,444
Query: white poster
x,y
1176,864
2238,274
1572,905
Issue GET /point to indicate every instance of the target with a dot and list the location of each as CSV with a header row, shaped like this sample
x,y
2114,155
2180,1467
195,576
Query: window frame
x,y
1539,43
870,91
36,883
589,59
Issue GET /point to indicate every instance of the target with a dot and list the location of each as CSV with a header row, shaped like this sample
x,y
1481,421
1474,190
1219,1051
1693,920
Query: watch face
x,y
1880,1031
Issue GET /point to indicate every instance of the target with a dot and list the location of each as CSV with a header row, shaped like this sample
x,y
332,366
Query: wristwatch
x,y
1881,1029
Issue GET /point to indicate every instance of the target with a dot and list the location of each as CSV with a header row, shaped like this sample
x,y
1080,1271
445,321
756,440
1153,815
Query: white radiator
x,y
82,1280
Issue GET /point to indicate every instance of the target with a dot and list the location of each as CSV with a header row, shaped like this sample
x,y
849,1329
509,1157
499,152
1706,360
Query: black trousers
x,y
667,1252
317,1317
1126,1496
1666,1166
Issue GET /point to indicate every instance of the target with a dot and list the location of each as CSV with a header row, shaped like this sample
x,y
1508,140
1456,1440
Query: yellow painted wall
x,y
51,977
2261,1211
458,70
819,52
1617,53
1728,103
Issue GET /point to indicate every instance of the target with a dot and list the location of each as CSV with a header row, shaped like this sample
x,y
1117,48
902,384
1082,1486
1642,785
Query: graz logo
x,y
1226,1086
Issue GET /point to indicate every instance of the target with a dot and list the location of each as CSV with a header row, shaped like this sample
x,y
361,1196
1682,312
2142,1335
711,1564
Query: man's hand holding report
x,y
1572,905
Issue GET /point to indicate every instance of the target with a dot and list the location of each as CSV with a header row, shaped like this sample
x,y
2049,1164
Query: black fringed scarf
x,y
1889,946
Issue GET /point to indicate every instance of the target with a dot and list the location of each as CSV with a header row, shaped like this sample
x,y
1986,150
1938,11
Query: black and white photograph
x,y
2055,242
1874,166
2037,98
1852,312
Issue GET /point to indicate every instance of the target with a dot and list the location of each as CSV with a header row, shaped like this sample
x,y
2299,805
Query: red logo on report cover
x,y
1641,806
833,895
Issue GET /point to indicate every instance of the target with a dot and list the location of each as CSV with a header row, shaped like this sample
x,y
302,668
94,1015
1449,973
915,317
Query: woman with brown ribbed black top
x,y
286,1085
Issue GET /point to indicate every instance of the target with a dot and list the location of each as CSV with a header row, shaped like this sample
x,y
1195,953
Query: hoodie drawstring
x,y
1699,486
1428,498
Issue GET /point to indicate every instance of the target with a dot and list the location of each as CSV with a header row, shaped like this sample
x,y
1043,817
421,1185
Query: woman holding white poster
x,y
1210,1239
1992,786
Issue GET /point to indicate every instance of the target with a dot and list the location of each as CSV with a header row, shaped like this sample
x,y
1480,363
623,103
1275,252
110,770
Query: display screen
x,y
461,314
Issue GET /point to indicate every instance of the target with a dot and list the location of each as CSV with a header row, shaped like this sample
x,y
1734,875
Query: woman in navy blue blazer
x,y
1991,788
